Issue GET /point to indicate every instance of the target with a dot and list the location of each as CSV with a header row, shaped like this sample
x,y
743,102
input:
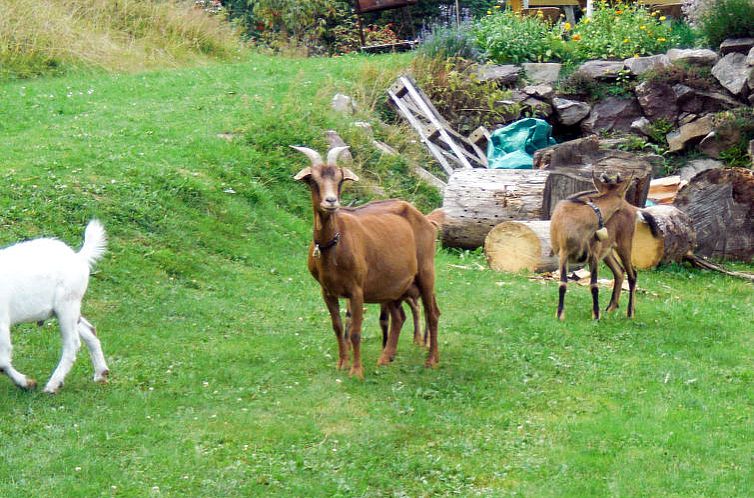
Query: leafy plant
x,y
691,75
621,30
728,19
451,41
658,131
465,102
506,36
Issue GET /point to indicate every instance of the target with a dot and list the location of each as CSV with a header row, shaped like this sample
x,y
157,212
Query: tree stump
x,y
720,204
674,241
520,245
476,200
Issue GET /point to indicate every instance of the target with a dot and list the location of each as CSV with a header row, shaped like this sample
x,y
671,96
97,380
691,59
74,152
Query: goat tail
x,y
437,218
650,220
95,242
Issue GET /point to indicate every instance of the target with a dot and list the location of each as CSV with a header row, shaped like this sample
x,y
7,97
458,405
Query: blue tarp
x,y
513,147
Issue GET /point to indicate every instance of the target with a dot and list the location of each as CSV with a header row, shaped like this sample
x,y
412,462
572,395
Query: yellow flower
x,y
662,18
567,26
661,39
642,27
653,14
636,56
626,40
497,6
576,37
489,12
618,12
540,13
587,20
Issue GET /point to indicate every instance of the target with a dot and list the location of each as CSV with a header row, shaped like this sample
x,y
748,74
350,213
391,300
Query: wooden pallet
x,y
451,149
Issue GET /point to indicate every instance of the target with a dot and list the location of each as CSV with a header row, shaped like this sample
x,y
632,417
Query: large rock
x,y
657,100
694,101
750,57
601,70
689,134
612,114
697,56
505,74
718,140
740,45
540,91
343,103
542,72
538,108
732,72
640,65
570,112
696,166
642,126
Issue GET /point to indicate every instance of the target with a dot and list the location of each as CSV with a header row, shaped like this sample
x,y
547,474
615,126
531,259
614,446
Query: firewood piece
x,y
664,190
520,245
675,238
478,199
720,204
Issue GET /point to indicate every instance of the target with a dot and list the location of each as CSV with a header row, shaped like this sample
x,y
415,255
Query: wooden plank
x,y
419,127
431,113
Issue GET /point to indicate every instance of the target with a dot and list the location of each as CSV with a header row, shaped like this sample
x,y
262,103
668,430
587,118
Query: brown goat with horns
x,y
594,226
381,253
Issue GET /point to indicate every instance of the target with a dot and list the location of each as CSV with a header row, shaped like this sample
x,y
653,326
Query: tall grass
x,y
50,36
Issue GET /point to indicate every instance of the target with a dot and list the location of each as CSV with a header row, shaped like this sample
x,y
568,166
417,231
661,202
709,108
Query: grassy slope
x,y
222,358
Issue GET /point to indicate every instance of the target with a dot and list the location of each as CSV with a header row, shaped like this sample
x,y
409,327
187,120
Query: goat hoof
x,y
342,364
101,378
52,390
431,363
382,361
357,372
30,384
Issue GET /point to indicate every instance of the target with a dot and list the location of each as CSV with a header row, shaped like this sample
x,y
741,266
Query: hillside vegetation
x,y
52,36
221,353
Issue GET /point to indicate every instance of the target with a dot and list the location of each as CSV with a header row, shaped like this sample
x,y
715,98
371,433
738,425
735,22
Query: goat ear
x,y
349,175
599,182
303,175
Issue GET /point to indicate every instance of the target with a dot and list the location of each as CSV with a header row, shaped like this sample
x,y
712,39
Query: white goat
x,y
44,277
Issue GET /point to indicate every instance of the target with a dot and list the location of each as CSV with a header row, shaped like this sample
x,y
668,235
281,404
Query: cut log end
x,y
647,249
515,246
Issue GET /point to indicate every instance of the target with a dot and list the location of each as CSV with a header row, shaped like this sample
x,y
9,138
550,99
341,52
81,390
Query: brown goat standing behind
x,y
380,253
577,235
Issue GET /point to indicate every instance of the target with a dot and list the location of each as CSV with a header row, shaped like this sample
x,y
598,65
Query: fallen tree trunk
x,y
476,200
720,205
674,240
520,245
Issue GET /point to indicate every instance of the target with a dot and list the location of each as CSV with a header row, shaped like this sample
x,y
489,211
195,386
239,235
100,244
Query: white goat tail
x,y
95,243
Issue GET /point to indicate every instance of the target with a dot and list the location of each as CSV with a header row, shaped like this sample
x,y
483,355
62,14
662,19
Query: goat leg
x,y
414,305
6,367
357,317
593,264
398,317
617,270
88,334
337,325
563,285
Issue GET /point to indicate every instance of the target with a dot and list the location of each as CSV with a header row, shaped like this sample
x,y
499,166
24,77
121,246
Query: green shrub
x,y
458,96
450,41
508,37
728,19
619,31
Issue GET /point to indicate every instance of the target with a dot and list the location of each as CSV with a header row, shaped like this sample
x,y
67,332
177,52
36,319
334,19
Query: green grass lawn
x,y
220,348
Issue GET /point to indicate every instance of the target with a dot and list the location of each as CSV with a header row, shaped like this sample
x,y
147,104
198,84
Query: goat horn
x,y
313,155
334,153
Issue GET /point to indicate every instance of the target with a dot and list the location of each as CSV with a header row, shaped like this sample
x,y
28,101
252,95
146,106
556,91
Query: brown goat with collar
x,y
381,253
594,226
